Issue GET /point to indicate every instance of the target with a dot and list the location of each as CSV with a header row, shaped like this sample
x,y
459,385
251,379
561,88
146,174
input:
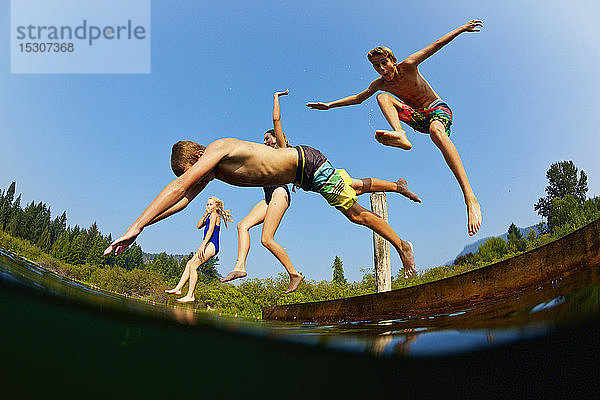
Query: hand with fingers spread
x,y
124,241
472,25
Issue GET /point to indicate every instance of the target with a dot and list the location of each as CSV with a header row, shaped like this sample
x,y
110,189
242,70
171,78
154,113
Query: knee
x,y
242,227
357,218
268,242
383,98
437,133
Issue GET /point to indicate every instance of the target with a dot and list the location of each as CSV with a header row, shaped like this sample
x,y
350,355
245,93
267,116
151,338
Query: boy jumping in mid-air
x,y
419,106
242,163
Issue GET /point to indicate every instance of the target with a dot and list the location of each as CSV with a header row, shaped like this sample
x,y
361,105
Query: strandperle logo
x,y
80,36
85,31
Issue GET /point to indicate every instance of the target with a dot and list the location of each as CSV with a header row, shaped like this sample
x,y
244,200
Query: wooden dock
x,y
577,250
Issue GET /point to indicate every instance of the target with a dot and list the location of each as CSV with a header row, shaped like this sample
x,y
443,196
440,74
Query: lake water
x,y
529,314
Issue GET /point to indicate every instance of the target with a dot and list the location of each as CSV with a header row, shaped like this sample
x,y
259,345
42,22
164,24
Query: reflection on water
x,y
528,314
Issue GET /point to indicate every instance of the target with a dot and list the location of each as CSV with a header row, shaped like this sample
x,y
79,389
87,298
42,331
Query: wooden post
x,y
381,248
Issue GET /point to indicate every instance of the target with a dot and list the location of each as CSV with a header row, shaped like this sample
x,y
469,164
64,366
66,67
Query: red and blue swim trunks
x,y
420,118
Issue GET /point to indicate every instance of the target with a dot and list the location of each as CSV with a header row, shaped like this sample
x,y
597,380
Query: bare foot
x,y
408,259
393,138
474,215
294,282
186,299
235,274
403,190
173,291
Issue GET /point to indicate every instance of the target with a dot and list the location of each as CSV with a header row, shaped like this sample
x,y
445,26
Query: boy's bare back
x,y
244,163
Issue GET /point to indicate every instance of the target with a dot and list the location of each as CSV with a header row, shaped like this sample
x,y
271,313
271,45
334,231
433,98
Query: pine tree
x,y
14,224
58,226
77,254
6,205
338,272
515,239
44,242
208,270
60,248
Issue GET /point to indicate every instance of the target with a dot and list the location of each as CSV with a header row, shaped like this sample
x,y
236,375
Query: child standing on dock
x,y
417,105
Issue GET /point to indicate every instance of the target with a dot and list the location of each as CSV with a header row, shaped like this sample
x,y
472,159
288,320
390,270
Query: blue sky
x,y
523,92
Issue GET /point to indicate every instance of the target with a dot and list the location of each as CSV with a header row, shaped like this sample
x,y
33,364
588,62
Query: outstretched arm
x,y
277,119
181,204
350,100
200,173
422,55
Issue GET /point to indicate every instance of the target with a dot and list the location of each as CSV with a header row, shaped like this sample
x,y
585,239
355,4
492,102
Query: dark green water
x,y
67,339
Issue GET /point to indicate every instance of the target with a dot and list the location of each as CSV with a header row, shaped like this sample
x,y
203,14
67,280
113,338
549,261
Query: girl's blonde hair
x,y
225,214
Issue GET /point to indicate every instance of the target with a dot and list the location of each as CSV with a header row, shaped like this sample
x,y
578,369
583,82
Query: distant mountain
x,y
472,248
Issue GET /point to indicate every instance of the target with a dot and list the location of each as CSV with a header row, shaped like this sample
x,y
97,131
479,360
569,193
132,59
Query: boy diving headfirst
x,y
242,163
418,105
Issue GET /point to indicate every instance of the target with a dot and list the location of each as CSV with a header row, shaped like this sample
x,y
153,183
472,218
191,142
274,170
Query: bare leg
x,y
254,217
443,142
397,137
277,207
184,277
360,215
370,185
198,260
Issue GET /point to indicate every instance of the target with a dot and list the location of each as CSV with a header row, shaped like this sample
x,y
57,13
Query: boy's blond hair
x,y
382,51
184,155
224,214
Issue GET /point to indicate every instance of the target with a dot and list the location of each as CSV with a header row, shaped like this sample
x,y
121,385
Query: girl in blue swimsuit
x,y
211,220
269,212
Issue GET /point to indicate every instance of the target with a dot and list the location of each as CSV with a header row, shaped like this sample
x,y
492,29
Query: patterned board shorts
x,y
420,119
315,173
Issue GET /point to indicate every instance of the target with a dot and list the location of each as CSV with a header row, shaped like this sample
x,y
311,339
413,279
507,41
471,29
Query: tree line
x,y
565,208
80,246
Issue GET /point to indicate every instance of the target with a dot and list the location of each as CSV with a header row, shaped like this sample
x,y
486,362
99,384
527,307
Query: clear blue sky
x,y
523,92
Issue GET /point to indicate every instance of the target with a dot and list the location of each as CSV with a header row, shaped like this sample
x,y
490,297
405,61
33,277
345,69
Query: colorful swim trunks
x,y
315,173
420,119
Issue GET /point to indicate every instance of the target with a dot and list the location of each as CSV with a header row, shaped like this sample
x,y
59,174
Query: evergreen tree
x,y
14,223
208,271
61,247
108,259
29,214
44,242
515,239
58,226
137,256
562,180
338,272
6,205
77,252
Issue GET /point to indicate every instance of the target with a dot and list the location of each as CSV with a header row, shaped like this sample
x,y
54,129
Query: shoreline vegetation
x,y
76,253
